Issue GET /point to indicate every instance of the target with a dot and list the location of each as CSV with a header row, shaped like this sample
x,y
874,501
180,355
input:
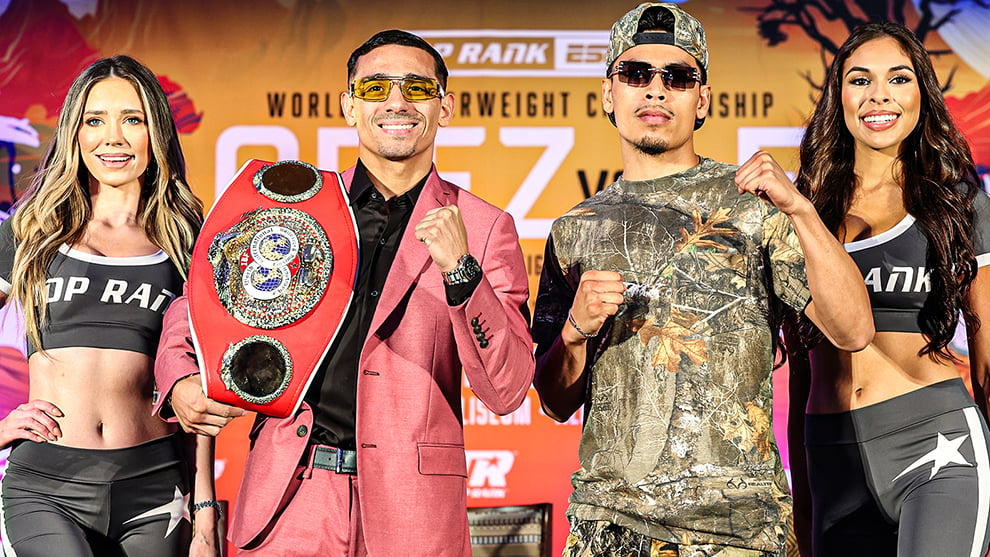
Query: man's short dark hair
x,y
656,19
401,38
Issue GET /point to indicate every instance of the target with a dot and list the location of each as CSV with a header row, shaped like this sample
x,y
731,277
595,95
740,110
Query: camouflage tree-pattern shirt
x,y
678,441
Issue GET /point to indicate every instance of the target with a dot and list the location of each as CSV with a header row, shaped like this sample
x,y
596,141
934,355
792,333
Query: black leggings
x,y
909,476
85,502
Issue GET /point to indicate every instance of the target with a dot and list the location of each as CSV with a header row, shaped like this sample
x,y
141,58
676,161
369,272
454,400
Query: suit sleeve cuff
x,y
457,294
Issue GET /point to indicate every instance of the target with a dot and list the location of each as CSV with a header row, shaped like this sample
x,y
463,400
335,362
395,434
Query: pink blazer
x,y
411,465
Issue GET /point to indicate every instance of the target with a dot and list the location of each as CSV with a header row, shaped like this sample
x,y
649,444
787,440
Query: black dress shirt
x,y
381,224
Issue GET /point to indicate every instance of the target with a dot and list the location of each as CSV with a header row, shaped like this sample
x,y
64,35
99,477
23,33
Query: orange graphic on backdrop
x,y
972,114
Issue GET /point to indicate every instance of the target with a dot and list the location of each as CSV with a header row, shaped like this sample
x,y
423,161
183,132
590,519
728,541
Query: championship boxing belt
x,y
271,278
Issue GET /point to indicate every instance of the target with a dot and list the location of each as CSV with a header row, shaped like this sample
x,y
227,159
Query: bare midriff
x,y
105,396
890,366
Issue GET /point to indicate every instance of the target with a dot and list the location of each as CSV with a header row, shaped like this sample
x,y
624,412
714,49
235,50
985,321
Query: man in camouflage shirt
x,y
658,311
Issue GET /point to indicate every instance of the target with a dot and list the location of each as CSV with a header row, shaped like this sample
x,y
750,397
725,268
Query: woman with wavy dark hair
x,y
897,450
93,255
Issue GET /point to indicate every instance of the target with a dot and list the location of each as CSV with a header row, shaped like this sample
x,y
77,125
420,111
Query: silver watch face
x,y
467,268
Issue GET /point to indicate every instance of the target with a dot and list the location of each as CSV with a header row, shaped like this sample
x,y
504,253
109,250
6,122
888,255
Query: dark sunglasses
x,y
413,89
639,74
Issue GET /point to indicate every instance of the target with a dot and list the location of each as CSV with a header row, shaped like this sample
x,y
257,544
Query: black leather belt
x,y
341,461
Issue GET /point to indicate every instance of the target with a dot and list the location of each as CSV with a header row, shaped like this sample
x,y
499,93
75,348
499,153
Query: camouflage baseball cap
x,y
688,34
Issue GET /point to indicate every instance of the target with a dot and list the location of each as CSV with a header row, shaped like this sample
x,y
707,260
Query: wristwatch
x,y
466,270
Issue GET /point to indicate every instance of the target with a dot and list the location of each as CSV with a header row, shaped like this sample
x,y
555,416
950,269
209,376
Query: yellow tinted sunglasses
x,y
378,88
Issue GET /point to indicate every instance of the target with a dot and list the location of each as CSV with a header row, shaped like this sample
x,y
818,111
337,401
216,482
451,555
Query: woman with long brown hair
x,y
93,255
897,450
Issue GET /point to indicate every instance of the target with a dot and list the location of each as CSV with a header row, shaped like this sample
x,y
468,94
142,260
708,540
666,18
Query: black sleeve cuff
x,y
457,294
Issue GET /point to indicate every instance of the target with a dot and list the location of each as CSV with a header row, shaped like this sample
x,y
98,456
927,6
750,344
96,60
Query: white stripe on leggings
x,y
983,479
8,549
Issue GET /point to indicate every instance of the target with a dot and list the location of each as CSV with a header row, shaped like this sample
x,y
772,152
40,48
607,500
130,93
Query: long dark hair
x,y
936,171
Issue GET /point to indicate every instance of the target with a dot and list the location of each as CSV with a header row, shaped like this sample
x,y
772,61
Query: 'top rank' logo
x,y
486,473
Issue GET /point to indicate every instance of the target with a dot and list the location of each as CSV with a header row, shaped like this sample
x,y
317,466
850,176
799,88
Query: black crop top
x,y
101,302
893,266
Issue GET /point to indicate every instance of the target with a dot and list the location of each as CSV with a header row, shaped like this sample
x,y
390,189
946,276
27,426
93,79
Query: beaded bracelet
x,y
209,503
570,319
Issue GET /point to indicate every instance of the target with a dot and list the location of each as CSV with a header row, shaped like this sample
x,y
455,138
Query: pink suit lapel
x,y
412,258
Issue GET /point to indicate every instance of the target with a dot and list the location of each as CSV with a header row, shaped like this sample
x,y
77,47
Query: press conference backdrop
x,y
262,79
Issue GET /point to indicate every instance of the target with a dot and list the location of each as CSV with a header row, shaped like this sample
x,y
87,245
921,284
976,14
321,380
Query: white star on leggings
x,y
945,452
177,508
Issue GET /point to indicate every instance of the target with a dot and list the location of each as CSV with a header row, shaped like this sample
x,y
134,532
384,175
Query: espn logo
x,y
487,471
500,53
586,53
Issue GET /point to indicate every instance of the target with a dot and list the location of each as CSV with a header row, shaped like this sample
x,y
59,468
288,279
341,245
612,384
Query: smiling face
x,y
881,100
113,135
655,120
396,129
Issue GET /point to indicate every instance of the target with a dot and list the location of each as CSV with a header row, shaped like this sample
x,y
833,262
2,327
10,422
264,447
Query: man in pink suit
x,y
373,462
